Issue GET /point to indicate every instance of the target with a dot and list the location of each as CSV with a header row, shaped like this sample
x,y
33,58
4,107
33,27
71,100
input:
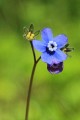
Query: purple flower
x,y
55,67
51,46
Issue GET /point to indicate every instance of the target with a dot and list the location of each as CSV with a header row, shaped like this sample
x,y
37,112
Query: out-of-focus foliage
x,y
54,97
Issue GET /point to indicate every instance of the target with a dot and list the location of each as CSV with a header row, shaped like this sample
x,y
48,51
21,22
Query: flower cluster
x,y
54,49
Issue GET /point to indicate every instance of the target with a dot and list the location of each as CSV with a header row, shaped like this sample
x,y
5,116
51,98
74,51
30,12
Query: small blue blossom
x,y
55,67
51,46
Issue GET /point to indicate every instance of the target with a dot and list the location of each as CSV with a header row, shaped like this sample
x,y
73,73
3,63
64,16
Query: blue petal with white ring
x,y
50,46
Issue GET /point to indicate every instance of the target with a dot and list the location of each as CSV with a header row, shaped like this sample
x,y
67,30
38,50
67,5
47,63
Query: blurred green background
x,y
54,97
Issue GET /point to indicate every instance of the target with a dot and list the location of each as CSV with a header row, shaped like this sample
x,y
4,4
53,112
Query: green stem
x,y
31,81
33,51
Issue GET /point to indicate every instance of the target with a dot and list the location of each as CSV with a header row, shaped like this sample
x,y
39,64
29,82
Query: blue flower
x,y
55,67
51,46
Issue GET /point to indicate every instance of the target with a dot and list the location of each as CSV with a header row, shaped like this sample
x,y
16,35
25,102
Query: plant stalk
x,y
31,81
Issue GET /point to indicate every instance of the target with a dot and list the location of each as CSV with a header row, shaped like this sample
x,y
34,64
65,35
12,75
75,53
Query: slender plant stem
x,y
31,81
33,51
29,92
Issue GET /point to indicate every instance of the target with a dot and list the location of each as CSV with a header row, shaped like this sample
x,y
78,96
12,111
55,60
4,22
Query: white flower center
x,y
52,46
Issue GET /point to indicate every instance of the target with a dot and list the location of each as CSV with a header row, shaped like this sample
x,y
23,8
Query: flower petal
x,y
55,68
40,46
48,58
47,35
60,55
61,40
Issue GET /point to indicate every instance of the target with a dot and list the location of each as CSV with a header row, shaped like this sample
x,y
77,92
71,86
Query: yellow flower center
x,y
30,36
